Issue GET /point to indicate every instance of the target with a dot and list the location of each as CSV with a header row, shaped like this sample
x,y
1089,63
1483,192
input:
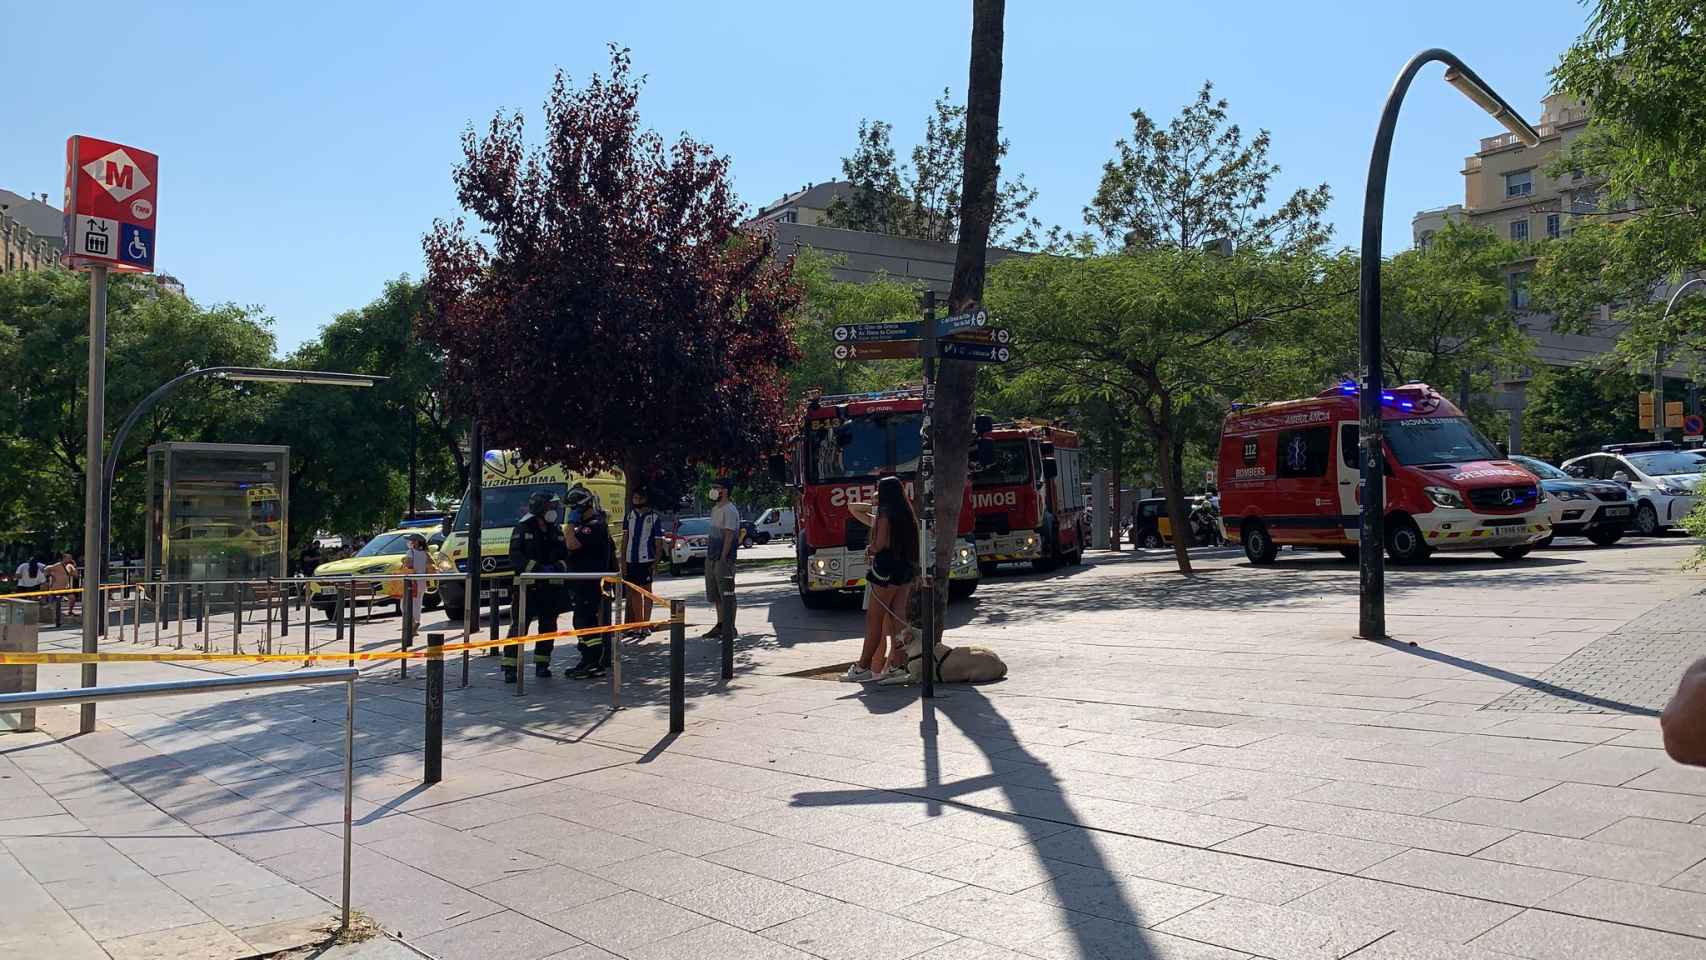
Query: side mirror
x,y
1048,450
983,424
1621,477
984,453
1051,467
779,468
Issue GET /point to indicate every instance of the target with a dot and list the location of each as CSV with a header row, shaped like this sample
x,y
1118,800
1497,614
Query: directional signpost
x,y
971,319
877,350
911,330
975,352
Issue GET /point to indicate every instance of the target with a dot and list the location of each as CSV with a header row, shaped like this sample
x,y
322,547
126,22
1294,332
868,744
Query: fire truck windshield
x,y
1012,464
864,447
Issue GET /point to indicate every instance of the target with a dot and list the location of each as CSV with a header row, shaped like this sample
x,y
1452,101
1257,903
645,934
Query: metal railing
x,y
144,691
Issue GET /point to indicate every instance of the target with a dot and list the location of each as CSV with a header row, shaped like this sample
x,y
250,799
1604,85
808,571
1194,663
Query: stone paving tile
x,y
1307,849
412,904
132,910
570,844
1587,858
664,874
1117,897
1655,835
1553,936
1106,940
993,868
976,912
1276,932
751,903
1492,880
716,940
1536,816
1254,783
508,935
998,829
1374,825
1407,946
201,941
261,906
1626,803
1110,851
625,921
694,836
874,884
847,931
966,948
778,858
460,858
1369,796
585,951
1441,916
1636,904
547,890
1694,878
1243,877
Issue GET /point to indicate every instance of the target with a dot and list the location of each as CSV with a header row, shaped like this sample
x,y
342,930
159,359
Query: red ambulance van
x,y
1288,474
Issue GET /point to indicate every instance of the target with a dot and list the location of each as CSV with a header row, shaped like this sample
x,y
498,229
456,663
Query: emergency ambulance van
x,y
507,481
1288,474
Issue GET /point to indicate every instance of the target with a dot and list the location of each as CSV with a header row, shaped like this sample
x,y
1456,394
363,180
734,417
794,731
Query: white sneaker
x,y
856,674
895,676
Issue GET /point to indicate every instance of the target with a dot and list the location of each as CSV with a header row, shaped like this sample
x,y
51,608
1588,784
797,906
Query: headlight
x,y
1030,541
374,568
1444,497
1572,495
1671,489
820,566
965,553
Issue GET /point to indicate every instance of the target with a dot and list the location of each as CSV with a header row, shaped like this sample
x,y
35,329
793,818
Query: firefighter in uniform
x,y
591,550
536,546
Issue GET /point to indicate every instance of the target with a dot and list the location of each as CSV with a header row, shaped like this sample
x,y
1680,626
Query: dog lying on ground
x,y
953,664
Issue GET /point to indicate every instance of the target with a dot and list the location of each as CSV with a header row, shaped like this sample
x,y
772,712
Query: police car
x,y
1662,479
1597,509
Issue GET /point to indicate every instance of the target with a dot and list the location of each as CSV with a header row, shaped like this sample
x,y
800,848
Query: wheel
x,y
431,601
455,612
1352,554
1604,538
1512,553
1404,543
1050,558
1258,546
1543,544
762,538
986,568
961,589
1151,540
1646,520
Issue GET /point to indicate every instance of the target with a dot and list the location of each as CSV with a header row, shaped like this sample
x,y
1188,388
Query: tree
x,y
1641,64
923,201
827,302
151,337
1571,411
613,314
1164,337
956,380
1197,182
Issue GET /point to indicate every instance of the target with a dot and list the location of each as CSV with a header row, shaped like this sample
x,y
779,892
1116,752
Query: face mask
x,y
550,516
715,494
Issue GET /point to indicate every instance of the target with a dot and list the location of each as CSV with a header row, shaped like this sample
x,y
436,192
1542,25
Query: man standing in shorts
x,y
640,547
720,548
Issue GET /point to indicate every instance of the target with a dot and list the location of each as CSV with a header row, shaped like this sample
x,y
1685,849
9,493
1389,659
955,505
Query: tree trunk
x,y
1162,430
956,384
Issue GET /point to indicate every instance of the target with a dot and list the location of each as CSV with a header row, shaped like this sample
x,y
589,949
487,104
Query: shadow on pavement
x,y
1531,683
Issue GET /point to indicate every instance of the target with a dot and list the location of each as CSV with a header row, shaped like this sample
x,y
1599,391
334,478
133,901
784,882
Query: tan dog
x,y
953,664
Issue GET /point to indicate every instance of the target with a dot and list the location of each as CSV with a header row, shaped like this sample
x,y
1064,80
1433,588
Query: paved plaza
x,y
1175,768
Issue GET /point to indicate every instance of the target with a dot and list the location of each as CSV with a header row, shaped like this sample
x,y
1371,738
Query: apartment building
x,y
29,232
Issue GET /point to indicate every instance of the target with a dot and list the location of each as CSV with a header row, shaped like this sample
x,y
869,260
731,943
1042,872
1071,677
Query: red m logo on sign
x,y
117,175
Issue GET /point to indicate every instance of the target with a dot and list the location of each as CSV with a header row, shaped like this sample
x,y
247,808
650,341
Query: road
x,y
1203,767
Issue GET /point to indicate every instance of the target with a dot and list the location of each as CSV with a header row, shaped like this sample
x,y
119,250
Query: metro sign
x,y
110,200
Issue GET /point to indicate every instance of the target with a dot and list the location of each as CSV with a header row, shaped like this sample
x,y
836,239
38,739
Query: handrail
x,y
145,691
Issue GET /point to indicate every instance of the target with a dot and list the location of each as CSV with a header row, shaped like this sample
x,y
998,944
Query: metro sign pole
x,y
110,196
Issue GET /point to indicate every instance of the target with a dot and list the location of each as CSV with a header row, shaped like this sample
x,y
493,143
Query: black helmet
x,y
539,502
579,498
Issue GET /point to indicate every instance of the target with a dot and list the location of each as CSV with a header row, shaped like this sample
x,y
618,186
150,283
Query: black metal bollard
x,y
435,708
727,616
677,666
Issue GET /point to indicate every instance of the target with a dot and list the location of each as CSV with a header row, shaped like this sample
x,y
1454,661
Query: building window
x,y
1585,200
1554,225
1519,230
791,217
1519,290
1519,184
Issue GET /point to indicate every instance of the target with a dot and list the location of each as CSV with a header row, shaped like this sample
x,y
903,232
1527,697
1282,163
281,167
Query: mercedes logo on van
x,y
1507,496
488,564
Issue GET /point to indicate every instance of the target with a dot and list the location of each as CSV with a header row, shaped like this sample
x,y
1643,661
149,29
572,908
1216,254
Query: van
x,y
774,523
1288,475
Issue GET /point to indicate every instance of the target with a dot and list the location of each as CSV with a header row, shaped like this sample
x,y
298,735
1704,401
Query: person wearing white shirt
x,y
720,547
31,575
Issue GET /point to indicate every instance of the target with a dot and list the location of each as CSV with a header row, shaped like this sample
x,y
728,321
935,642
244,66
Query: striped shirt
x,y
640,532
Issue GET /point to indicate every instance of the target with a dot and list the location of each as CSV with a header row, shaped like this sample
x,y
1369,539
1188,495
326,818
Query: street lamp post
x,y
96,562
1371,619
1659,362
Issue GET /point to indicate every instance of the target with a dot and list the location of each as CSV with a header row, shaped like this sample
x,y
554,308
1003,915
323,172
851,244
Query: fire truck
x,y
845,445
1030,499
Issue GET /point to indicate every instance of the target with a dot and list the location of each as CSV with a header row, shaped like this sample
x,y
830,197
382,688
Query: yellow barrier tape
x,y
77,591
415,653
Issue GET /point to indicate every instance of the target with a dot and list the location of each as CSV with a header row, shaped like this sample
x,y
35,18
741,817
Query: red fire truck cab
x,y
1289,474
1030,500
845,445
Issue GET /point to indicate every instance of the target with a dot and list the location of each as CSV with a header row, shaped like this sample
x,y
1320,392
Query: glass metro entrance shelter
x,y
217,511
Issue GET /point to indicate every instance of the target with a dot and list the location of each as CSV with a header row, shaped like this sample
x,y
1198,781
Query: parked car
x,y
1597,509
384,554
775,523
1663,480
685,542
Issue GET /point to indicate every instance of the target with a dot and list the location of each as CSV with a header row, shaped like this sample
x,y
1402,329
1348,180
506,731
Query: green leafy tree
x,y
1641,64
1574,410
828,302
923,200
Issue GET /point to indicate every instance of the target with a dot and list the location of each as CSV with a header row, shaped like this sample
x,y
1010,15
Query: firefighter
x,y
536,546
591,550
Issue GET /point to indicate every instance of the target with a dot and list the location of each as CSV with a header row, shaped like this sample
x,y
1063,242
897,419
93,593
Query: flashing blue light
x,y
1388,398
1347,388
1407,405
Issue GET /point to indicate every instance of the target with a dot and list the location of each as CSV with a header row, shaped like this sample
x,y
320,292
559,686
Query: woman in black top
x,y
891,560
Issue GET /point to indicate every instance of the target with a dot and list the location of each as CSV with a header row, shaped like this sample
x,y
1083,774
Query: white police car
x,y
1663,480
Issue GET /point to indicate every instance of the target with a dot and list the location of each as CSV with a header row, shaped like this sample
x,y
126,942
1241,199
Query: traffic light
x,y
1646,400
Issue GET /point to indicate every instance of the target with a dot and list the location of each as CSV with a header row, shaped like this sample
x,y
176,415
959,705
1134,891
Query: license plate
x,y
1615,511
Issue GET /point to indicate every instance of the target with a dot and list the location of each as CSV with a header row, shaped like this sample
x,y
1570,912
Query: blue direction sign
x,y
975,352
970,320
849,332
984,335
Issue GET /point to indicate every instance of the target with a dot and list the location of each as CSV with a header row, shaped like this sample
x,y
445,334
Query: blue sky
x,y
306,148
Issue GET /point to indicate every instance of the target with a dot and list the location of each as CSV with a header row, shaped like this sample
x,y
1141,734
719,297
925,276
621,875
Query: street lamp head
x,y
1471,86
321,377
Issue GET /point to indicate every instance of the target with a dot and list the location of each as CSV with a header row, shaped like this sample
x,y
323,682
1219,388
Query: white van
x,y
776,522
